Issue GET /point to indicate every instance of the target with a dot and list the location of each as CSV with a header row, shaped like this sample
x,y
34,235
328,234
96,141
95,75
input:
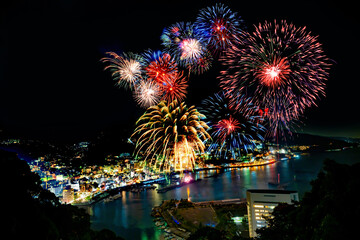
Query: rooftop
x,y
273,191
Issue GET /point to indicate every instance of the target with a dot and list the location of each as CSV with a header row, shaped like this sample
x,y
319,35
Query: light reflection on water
x,y
130,218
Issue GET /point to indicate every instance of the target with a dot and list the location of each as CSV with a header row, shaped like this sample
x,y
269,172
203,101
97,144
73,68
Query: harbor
x,y
167,183
130,215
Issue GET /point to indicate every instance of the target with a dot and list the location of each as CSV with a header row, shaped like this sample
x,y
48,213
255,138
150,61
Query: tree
x,y
31,212
281,225
184,203
327,208
326,212
227,225
207,233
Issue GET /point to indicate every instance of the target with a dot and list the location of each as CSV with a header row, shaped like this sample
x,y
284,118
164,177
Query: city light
x,y
187,179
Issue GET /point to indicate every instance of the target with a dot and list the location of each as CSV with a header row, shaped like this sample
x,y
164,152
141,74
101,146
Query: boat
x,y
112,198
109,199
117,196
136,190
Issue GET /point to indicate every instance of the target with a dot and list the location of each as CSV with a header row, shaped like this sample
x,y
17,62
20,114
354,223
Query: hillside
x,y
317,142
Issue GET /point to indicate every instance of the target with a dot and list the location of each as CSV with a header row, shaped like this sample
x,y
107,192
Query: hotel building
x,y
261,203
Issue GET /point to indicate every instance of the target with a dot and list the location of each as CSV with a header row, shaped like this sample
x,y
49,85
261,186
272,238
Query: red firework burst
x,y
219,30
161,68
274,73
278,66
174,87
225,127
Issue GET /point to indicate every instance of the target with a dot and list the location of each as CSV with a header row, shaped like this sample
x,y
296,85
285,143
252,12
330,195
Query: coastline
x,y
118,190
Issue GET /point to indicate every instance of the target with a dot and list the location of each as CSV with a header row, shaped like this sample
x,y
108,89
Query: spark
x,y
168,136
147,93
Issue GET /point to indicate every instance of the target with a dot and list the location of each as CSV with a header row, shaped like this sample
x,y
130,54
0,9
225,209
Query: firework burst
x,y
234,126
174,88
126,69
277,64
159,66
174,34
274,73
226,127
202,64
280,119
219,25
185,43
147,93
169,135
191,49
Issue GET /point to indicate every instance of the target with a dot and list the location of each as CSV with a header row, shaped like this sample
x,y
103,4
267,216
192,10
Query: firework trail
x,y
276,65
280,119
169,135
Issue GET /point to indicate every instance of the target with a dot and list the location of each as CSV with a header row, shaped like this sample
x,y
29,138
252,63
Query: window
x,y
271,207
258,206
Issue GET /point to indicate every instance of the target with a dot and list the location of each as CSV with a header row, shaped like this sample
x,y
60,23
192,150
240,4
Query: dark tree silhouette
x,y
31,212
329,211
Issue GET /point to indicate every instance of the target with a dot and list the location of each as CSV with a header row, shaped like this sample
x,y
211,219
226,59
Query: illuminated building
x,y
57,190
261,203
68,195
85,187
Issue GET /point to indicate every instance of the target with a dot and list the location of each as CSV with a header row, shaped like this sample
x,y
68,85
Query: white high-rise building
x,y
261,203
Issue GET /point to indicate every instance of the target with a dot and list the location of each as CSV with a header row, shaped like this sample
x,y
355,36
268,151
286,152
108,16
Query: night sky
x,y
53,85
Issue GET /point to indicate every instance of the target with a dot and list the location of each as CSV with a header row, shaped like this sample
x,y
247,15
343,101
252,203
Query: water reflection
x,y
188,193
130,216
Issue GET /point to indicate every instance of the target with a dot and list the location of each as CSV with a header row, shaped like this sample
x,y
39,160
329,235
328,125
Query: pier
x,y
221,202
175,185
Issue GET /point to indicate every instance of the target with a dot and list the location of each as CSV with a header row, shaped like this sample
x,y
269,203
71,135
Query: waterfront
x,y
130,218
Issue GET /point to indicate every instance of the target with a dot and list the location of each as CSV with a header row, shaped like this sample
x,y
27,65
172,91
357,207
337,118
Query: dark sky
x,y
52,84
